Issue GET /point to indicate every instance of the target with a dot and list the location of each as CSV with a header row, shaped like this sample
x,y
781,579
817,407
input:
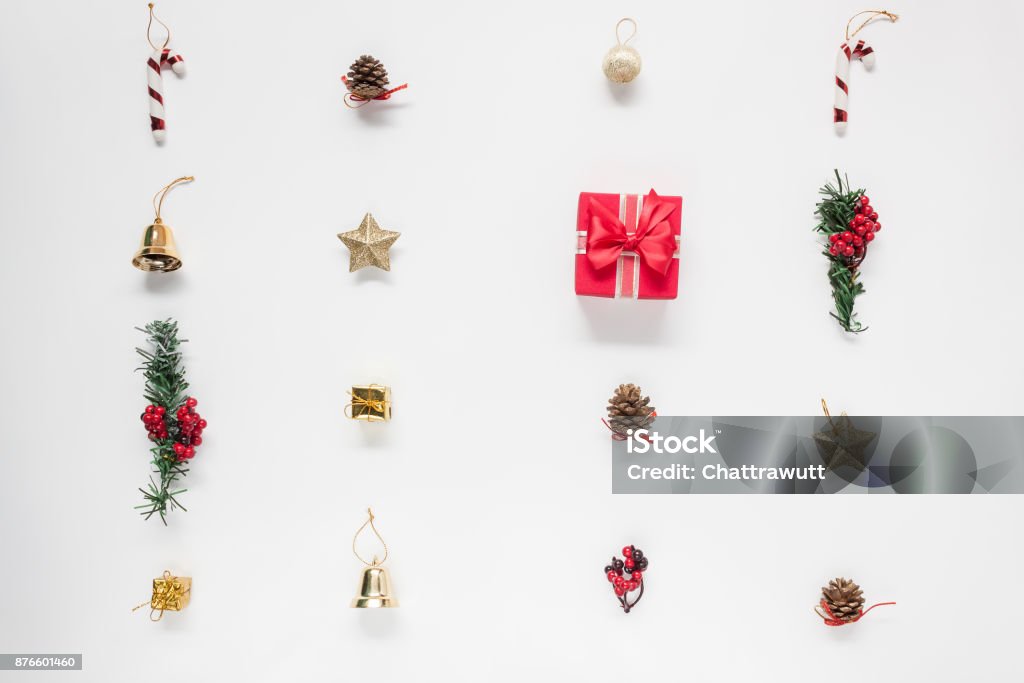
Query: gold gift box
x,y
370,402
171,593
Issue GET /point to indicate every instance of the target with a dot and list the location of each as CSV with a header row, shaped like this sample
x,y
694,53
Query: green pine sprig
x,y
834,213
165,386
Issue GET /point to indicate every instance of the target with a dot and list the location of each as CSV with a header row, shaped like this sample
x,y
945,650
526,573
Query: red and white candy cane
x,y
161,56
866,55
849,51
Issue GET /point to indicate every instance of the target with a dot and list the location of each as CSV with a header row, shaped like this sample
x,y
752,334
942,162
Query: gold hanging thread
x,y
632,35
369,522
875,14
824,406
149,26
162,192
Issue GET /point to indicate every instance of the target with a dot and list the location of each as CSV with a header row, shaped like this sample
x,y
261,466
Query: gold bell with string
x,y
375,583
158,252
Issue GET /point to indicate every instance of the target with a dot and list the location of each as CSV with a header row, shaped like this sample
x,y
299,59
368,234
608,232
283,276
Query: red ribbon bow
x,y
363,100
832,620
653,240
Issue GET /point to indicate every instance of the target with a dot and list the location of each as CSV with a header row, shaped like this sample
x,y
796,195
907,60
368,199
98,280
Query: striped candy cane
x,y
156,87
154,76
859,51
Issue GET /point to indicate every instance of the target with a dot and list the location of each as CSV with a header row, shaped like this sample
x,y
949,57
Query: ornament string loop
x,y
369,522
831,619
153,17
824,407
875,14
162,192
632,21
159,611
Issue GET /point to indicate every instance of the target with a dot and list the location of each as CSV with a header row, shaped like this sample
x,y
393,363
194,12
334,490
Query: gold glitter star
x,y
368,244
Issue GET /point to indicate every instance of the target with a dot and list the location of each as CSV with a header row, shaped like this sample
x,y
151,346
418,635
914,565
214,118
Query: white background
x,y
492,483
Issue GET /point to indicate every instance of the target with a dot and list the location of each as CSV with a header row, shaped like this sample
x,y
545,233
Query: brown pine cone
x,y
844,598
627,410
367,78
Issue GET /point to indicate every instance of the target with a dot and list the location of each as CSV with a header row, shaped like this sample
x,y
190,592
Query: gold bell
x,y
158,253
375,588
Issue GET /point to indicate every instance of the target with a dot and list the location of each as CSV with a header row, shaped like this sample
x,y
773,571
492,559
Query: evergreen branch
x,y
845,288
165,386
834,212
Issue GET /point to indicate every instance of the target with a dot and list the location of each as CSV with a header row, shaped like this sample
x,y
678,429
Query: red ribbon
x,y
833,620
653,240
383,96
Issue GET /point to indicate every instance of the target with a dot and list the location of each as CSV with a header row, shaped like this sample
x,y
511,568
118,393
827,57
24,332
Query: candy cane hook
x,y
866,55
161,56
849,51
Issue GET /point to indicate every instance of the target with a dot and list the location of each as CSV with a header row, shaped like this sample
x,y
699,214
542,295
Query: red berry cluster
x,y
634,565
154,421
853,243
191,425
187,430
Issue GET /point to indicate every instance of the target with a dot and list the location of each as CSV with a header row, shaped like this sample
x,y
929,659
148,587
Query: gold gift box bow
x,y
370,402
170,593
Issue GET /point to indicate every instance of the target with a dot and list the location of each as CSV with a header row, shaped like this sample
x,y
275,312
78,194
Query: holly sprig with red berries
x,y
634,566
170,419
849,223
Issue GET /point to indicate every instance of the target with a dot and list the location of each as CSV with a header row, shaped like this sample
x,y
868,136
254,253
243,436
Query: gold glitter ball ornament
x,y
368,245
622,63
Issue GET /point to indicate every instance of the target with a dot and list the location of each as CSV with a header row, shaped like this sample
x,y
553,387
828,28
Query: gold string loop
x,y
619,40
153,17
824,407
875,14
162,192
369,521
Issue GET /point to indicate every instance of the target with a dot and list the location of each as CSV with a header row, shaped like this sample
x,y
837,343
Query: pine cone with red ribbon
x,y
367,78
842,603
844,599
629,410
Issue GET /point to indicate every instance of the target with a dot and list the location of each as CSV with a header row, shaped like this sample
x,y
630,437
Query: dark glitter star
x,y
841,443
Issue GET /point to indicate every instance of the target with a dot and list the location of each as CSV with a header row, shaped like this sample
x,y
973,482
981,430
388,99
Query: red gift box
x,y
627,245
